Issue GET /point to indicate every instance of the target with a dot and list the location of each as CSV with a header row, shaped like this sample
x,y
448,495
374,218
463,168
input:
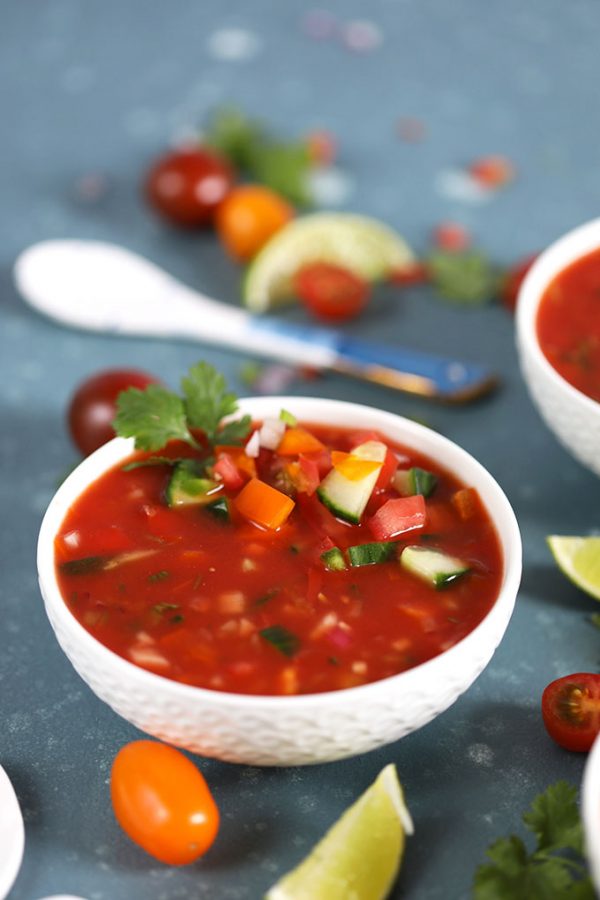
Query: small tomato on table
x,y
162,802
93,406
248,217
331,292
571,710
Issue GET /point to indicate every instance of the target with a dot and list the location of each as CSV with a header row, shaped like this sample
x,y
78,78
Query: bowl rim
x,y
567,249
109,455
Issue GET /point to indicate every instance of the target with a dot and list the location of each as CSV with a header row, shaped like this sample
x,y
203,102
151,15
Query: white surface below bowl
x,y
314,728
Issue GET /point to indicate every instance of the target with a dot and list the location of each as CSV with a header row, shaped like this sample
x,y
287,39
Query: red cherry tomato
x,y
513,281
492,171
331,292
162,802
451,236
92,407
186,186
571,710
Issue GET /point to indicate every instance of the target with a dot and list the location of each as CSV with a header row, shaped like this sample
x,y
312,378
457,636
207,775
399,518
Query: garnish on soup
x,y
272,557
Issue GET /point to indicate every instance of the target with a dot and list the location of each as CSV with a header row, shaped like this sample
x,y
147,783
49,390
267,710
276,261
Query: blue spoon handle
x,y
444,378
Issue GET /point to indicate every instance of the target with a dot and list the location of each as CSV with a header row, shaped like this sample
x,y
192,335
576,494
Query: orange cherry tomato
x,y
248,217
162,802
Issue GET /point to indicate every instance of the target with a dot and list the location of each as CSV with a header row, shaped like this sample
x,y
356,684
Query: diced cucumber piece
x,y
409,482
334,560
220,509
347,498
433,566
371,554
187,487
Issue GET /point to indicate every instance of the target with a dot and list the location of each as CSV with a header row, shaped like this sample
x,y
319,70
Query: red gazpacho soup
x,y
313,559
568,324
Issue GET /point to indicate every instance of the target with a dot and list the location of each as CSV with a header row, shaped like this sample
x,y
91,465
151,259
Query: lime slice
x,y
365,246
579,559
360,855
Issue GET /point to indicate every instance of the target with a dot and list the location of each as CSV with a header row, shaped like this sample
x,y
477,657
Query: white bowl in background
x,y
291,730
571,415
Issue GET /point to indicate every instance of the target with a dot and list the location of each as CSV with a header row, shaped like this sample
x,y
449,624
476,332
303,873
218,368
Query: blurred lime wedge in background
x,y
359,857
579,559
364,246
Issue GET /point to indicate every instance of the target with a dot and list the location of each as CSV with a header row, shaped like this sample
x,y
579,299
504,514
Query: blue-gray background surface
x,y
91,92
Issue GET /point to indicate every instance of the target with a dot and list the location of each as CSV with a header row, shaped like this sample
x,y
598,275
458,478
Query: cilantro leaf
x,y
466,278
282,639
512,875
556,870
151,461
235,432
554,819
153,416
206,399
281,165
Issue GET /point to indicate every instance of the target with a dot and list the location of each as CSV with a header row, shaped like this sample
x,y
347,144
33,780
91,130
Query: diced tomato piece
x,y
244,462
397,517
322,460
388,469
309,469
225,470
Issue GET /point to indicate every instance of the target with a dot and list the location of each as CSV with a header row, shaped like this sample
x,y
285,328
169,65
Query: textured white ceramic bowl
x,y
299,729
590,801
572,416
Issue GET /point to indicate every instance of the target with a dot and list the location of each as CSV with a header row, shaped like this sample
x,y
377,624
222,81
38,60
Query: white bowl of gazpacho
x,y
326,588
558,337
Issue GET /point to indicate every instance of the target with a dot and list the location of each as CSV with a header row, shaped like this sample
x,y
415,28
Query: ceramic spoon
x,y
12,835
103,287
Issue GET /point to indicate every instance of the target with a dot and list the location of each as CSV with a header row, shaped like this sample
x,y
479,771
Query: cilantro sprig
x,y
554,869
467,278
283,166
154,416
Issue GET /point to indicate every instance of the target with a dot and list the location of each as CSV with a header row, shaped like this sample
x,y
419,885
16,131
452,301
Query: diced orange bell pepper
x,y
464,502
264,505
353,467
298,440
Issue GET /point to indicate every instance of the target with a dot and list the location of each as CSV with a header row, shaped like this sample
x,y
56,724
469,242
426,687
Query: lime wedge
x,y
360,855
579,559
365,246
